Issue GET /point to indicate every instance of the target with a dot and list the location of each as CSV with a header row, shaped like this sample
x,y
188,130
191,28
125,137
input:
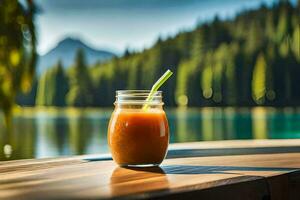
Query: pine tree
x,y
52,87
282,27
41,98
259,80
296,42
270,27
80,93
61,85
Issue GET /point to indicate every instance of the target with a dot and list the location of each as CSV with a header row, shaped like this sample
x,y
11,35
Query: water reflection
x,y
80,134
207,124
44,133
52,137
187,125
21,140
259,123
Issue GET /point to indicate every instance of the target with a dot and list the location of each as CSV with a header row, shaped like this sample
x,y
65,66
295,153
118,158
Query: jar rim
x,y
138,103
136,91
138,97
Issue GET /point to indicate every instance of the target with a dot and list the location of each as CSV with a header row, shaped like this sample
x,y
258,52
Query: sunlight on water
x,y
40,133
7,149
259,123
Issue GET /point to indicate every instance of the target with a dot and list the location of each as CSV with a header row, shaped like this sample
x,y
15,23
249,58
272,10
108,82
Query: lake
x,y
41,133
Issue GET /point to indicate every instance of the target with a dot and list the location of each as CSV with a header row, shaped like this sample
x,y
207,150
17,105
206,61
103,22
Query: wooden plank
x,y
233,147
255,176
237,144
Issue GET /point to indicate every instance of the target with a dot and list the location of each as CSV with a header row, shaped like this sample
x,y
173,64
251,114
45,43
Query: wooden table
x,y
204,170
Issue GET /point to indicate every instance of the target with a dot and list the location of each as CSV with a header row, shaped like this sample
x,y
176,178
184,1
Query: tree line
x,y
252,59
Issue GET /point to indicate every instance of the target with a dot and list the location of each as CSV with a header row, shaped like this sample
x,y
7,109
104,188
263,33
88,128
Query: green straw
x,y
156,86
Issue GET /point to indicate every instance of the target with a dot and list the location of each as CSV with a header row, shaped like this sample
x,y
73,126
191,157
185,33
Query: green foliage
x,y
80,93
251,59
218,63
259,80
17,51
296,42
207,77
52,87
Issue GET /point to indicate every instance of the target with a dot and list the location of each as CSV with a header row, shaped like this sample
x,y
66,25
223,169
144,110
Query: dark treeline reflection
x,y
48,133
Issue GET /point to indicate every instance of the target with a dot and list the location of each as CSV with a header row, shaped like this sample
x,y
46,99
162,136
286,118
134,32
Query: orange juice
x,y
138,137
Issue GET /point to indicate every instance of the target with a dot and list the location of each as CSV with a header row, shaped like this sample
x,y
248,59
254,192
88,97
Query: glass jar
x,y
138,135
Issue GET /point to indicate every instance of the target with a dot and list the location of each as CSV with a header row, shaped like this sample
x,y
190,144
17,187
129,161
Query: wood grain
x,y
253,176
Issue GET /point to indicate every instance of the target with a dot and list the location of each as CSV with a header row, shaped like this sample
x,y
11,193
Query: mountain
x,y
65,50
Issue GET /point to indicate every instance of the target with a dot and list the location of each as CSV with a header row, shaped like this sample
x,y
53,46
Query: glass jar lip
x,y
138,103
136,91
138,97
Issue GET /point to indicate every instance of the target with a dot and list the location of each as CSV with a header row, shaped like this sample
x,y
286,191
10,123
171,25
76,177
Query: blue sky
x,y
120,24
